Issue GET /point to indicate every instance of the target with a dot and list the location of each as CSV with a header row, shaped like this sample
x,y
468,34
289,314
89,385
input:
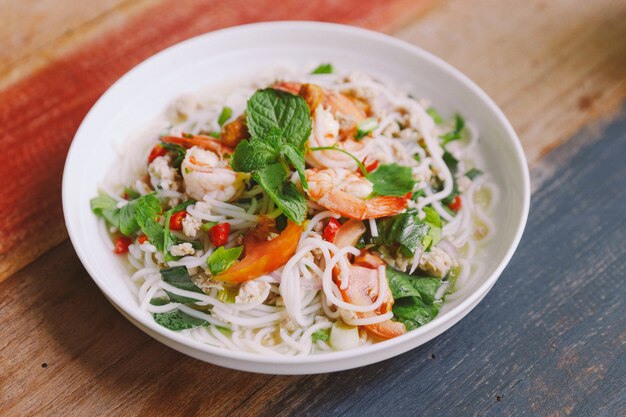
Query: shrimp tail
x,y
355,208
384,206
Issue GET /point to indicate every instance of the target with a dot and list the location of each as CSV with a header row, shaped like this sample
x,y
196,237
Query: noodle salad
x,y
299,213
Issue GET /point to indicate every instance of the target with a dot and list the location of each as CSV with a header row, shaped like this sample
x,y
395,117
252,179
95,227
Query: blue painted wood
x,y
548,340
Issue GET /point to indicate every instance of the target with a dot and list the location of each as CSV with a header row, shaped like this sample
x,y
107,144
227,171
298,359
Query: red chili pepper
x,y
331,229
218,234
408,195
142,239
121,244
371,167
176,221
456,203
157,151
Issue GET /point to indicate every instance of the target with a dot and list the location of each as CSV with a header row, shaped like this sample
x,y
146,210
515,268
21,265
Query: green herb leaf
x,y
414,298
392,180
405,230
455,134
433,220
222,259
364,127
226,113
321,334
269,109
180,153
178,277
323,69
132,194
177,320
255,153
106,207
473,173
296,157
450,161
285,194
432,112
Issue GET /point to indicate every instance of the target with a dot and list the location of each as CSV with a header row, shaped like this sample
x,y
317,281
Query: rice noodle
x,y
280,312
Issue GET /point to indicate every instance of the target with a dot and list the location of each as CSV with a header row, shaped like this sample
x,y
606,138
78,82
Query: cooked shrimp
x,y
335,119
347,193
205,173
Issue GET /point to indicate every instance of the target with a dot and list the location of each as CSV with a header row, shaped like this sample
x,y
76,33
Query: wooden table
x,y
548,340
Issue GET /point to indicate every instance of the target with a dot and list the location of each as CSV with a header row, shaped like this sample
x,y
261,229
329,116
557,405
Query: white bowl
x,y
142,94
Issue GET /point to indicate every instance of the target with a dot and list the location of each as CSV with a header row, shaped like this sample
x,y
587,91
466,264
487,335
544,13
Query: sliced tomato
x,y
204,142
456,204
331,229
262,256
176,220
121,244
157,151
218,234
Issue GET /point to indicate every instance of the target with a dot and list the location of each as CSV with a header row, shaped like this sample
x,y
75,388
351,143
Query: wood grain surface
x,y
40,113
548,340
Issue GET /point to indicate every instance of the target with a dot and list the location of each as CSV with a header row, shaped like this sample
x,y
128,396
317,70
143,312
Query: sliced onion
x,y
349,233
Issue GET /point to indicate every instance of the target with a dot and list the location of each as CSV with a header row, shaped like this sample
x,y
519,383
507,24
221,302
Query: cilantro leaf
x,y
270,108
177,320
296,157
226,114
284,193
392,180
178,277
222,259
323,69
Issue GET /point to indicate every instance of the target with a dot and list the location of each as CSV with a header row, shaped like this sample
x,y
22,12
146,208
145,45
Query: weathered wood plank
x,y
549,339
40,114
33,33
552,66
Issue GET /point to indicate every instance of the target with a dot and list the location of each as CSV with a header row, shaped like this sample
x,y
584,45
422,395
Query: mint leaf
x,y
226,113
269,108
296,157
177,320
323,69
256,153
285,194
222,259
392,180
